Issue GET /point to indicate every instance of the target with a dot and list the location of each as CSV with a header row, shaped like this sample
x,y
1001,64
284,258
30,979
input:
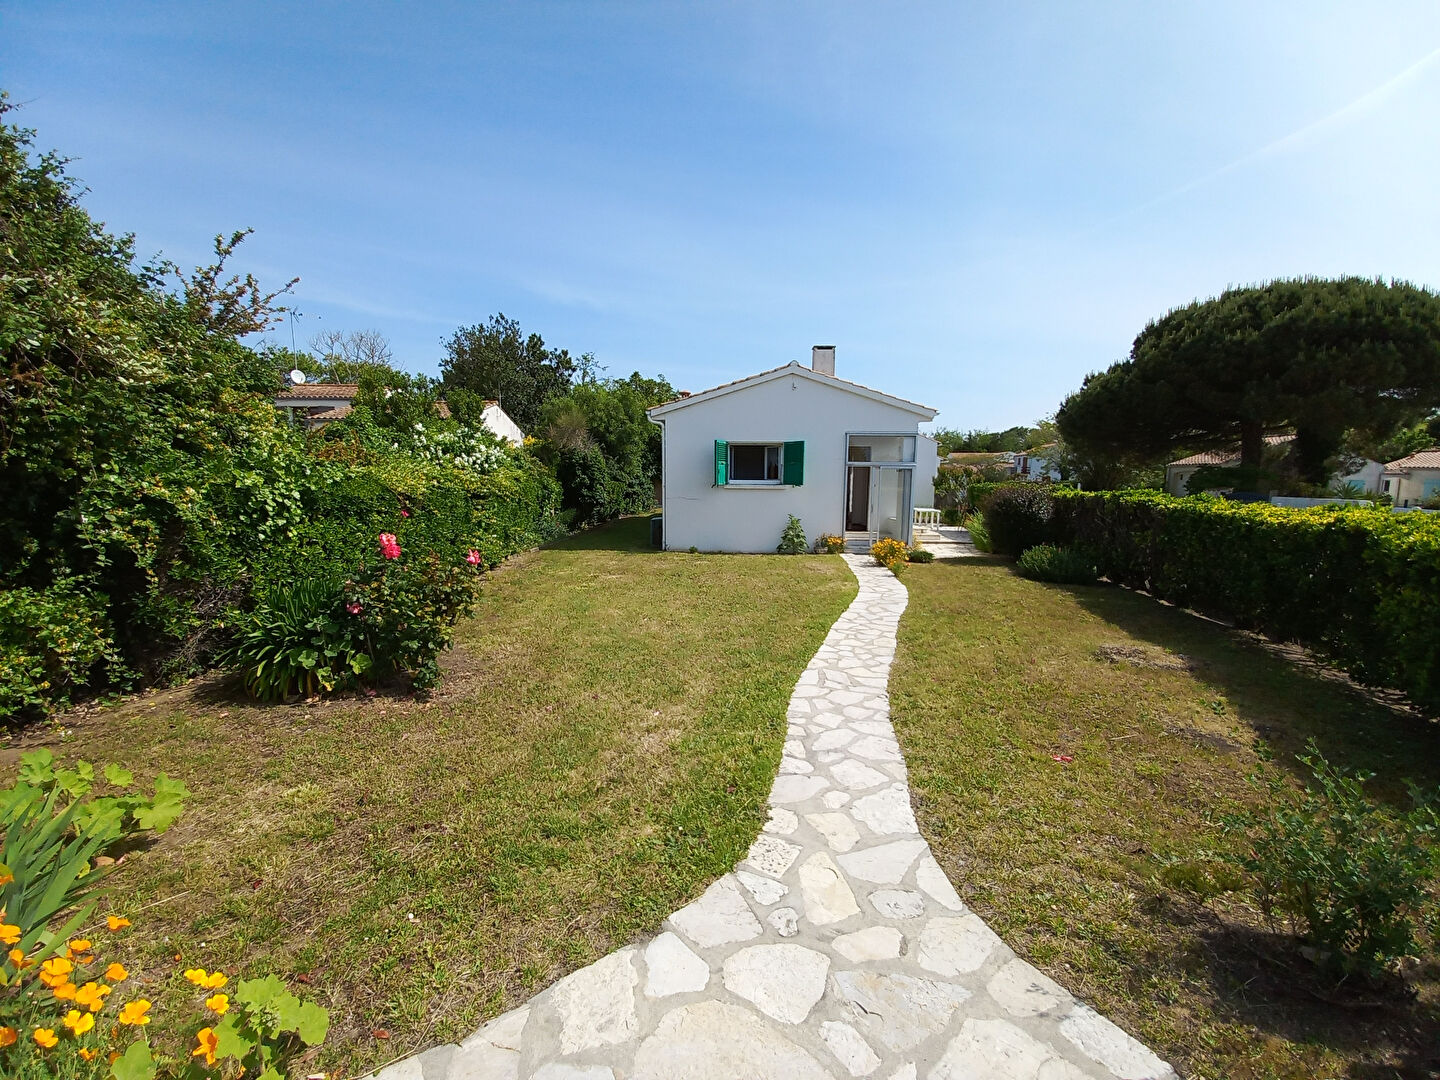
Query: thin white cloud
x,y
1366,103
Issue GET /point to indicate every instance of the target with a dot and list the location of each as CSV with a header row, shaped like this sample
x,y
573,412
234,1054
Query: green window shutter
x,y
794,473
722,462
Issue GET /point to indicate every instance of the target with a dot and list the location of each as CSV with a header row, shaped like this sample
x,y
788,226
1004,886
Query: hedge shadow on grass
x,y
1285,697
627,535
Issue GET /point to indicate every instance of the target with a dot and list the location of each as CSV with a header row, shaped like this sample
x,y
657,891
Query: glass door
x,y
891,512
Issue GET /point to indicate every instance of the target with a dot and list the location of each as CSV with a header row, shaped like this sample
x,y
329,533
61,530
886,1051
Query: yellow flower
x,y
116,973
200,977
79,1022
134,1013
219,1004
65,991
88,1054
92,995
80,945
55,971
115,922
8,1035
18,959
208,1041
9,934
45,1037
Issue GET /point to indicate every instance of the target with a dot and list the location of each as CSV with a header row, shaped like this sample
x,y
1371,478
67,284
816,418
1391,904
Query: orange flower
x,y
79,1022
116,973
55,971
115,922
88,1054
8,1035
77,949
18,959
219,1004
207,981
9,934
45,1037
65,991
5,878
208,1041
134,1013
92,995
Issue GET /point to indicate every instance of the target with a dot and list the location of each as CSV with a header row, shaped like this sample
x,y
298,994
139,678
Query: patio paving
x,y
837,948
946,541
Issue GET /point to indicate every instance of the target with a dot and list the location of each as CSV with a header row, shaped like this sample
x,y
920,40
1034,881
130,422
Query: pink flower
x,y
473,558
354,609
388,547
404,513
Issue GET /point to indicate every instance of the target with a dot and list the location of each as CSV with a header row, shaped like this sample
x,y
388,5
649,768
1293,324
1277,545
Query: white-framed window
x,y
755,463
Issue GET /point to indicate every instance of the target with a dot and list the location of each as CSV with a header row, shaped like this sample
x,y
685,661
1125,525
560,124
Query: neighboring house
x,y
1177,473
1412,480
314,405
737,460
1037,465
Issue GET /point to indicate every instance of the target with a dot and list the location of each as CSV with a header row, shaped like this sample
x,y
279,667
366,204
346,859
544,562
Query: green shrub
x,y
978,493
891,554
1017,517
53,642
920,555
1354,584
1061,565
792,540
979,535
1354,878
951,515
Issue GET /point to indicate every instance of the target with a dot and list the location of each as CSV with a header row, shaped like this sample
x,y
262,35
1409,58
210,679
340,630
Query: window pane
x,y
772,463
747,462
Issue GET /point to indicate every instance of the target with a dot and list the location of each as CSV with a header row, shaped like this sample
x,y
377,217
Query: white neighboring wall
x,y
794,406
927,466
499,424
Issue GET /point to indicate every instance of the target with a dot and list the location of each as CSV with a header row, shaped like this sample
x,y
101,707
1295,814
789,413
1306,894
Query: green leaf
x,y
259,993
135,1064
314,1024
231,1040
160,814
37,766
117,776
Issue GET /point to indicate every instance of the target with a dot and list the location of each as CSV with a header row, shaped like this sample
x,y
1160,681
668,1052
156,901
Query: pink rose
x,y
473,558
354,609
388,547
404,513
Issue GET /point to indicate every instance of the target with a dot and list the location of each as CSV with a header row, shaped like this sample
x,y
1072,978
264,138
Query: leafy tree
x,y
496,360
1317,357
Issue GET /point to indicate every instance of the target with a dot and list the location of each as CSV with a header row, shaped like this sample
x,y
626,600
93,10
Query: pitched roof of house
x,y
792,369
331,414
1227,457
1421,459
323,391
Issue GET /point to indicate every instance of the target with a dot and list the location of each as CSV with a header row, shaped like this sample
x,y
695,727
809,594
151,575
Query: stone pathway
x,y
946,541
838,948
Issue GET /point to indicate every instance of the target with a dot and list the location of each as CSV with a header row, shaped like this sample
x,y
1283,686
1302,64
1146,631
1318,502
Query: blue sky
x,y
977,203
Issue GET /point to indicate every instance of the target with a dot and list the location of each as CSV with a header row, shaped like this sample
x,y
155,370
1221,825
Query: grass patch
x,y
600,750
1088,868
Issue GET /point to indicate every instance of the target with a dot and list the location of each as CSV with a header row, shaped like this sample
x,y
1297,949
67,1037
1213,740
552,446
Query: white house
x,y
1366,476
1413,480
1037,464
739,459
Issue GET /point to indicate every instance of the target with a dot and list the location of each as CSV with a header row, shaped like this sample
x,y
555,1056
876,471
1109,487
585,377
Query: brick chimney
x,y
822,359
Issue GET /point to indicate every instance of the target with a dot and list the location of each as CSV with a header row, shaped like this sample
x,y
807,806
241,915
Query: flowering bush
x,y
52,642
393,617
469,448
65,1012
892,554
826,544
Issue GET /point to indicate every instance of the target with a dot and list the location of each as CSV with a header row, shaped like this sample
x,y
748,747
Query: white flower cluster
x,y
462,448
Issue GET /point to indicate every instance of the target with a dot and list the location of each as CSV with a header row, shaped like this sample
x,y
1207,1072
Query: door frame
x,y
875,467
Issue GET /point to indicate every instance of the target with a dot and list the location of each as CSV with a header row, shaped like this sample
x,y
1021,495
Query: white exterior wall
x,y
1409,488
499,424
785,409
927,466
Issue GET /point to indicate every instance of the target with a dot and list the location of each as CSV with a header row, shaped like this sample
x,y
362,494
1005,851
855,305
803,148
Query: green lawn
x,y
600,750
997,675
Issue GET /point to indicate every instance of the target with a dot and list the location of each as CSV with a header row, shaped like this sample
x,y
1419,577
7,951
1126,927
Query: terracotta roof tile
x,y
1227,457
318,390
1421,459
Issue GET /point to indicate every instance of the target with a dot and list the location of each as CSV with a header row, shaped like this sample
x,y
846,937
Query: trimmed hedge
x,y
1357,586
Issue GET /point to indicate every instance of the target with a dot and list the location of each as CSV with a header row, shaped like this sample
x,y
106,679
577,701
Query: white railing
x,y
927,515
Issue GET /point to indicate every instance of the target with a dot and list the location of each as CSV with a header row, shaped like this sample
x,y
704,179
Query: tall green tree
x,y
497,360
1314,356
